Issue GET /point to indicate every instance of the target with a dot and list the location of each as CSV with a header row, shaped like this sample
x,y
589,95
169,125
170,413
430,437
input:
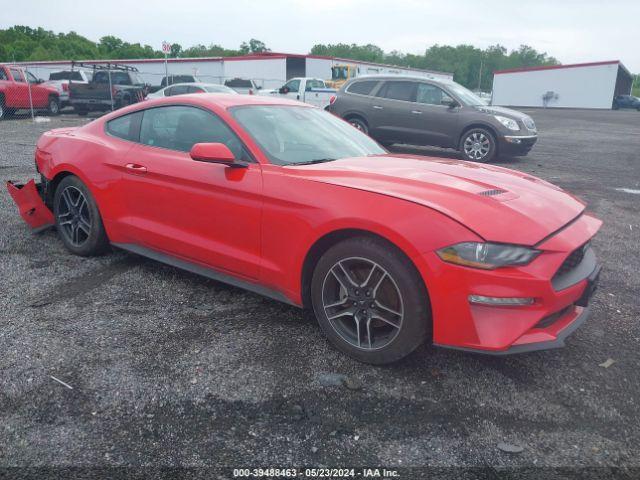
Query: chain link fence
x,y
38,91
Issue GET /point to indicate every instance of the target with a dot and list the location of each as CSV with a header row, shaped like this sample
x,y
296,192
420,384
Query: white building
x,y
581,85
269,70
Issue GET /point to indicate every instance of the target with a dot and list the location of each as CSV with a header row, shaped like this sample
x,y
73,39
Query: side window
x,y
398,90
17,75
192,89
3,75
180,128
362,88
101,77
125,127
178,90
31,77
293,85
431,95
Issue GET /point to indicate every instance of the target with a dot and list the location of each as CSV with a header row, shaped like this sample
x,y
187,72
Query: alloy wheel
x,y
363,303
54,107
476,146
74,217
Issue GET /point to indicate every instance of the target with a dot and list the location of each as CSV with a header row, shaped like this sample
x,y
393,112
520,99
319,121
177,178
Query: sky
x,y
573,31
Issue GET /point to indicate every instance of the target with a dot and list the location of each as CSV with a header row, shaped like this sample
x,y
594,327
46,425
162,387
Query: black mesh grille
x,y
572,260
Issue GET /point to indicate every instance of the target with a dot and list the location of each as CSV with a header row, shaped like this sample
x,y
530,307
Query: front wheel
x,y
370,301
77,218
478,145
53,107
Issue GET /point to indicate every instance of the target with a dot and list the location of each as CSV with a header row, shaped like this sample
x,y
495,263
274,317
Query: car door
x,y
206,213
389,116
39,92
18,91
293,87
434,120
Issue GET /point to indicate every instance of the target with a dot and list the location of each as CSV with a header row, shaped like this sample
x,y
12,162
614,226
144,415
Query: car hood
x,y
498,204
508,112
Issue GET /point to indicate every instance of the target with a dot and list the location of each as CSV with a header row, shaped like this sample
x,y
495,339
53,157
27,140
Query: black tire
x,y
4,111
359,123
53,106
478,145
616,107
412,323
90,240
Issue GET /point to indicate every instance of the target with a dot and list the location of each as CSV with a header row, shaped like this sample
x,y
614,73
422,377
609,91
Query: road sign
x,y
166,47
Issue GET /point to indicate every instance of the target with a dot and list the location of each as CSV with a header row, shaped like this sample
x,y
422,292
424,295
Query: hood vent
x,y
491,193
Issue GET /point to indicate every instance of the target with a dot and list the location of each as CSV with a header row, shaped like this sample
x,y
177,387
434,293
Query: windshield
x,y
291,135
464,95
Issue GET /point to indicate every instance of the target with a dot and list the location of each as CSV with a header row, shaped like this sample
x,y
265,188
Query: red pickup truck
x,y
15,83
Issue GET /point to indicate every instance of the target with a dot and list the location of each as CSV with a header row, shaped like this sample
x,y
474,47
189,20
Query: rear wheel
x,y
53,107
4,111
370,301
478,145
77,218
360,124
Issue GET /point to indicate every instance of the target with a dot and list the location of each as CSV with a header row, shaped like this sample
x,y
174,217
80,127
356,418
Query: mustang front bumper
x,y
559,282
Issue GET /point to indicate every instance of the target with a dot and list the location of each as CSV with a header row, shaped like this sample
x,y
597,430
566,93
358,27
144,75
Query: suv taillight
x,y
332,99
65,87
251,91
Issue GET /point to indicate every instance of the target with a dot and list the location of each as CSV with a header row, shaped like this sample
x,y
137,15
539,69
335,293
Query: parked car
x,y
182,88
420,111
111,87
172,80
626,101
243,86
289,201
60,81
19,89
308,90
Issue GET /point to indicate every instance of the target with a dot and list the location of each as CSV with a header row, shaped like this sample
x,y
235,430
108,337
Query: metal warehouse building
x,y
269,70
581,85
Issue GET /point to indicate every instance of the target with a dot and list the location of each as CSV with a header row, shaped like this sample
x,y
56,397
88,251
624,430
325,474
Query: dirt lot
x,y
169,369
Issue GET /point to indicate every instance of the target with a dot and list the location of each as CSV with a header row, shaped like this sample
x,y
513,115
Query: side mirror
x,y
39,80
284,90
258,87
213,153
449,102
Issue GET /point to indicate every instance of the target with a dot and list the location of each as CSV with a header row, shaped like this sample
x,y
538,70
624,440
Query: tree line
x,y
471,66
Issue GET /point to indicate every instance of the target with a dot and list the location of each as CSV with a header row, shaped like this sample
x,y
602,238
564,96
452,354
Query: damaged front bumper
x,y
29,198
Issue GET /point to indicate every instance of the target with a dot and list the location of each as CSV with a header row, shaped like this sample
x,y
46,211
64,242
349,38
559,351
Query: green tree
x,y
253,46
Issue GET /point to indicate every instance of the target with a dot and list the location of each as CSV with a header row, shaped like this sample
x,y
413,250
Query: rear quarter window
x,y
126,127
362,88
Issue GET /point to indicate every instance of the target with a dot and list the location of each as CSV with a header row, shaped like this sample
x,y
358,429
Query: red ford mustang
x,y
291,202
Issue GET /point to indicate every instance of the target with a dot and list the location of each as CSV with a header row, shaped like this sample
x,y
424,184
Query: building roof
x,y
253,56
558,67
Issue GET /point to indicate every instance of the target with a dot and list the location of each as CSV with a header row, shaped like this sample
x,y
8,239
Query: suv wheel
x,y
370,301
360,124
478,145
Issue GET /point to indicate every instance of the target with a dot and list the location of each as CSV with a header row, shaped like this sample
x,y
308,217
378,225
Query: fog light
x,y
513,140
500,301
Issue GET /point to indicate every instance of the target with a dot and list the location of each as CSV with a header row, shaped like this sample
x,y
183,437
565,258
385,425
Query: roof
x,y
254,56
559,67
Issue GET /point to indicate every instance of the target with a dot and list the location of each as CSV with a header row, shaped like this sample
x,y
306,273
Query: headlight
x,y
510,123
487,256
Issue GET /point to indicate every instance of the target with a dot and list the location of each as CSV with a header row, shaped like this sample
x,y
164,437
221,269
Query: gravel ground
x,y
170,369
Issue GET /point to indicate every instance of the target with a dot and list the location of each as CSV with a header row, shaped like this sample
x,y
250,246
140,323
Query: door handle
x,y
416,112
135,168
377,107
